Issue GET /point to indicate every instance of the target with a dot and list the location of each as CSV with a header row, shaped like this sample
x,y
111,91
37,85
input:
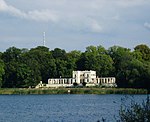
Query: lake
x,y
62,108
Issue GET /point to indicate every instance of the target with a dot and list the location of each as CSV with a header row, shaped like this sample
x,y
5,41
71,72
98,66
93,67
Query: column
x,y
106,80
114,80
70,81
109,80
98,80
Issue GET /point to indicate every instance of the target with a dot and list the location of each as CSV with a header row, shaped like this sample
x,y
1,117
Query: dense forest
x,y
24,68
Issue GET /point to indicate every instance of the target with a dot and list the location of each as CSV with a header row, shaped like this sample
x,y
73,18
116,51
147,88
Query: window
x,y
87,80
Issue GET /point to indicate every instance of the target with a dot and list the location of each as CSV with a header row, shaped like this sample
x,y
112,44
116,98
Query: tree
x,y
61,68
122,57
135,112
59,53
71,60
130,68
145,50
11,60
11,54
24,76
2,72
38,60
23,67
145,76
96,58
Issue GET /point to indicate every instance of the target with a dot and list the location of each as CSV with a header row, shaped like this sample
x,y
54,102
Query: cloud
x,y
131,3
147,25
10,9
116,17
3,5
75,20
97,16
94,26
74,17
43,15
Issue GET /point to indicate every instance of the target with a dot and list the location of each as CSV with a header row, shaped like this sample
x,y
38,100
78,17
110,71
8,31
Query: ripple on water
x,y
59,108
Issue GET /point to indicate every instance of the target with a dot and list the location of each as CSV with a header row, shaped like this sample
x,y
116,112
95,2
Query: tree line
x,y
24,67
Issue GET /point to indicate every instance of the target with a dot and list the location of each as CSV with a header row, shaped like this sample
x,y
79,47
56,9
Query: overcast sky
x,y
74,24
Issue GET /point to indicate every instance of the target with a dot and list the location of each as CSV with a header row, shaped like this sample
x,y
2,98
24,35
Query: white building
x,y
80,77
84,76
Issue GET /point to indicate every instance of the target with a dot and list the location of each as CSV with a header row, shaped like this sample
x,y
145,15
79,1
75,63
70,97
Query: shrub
x,y
135,112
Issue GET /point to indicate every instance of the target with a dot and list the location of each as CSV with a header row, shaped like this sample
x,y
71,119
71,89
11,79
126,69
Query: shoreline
x,y
99,91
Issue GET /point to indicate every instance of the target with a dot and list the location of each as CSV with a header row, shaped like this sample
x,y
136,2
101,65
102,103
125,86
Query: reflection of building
x,y
79,77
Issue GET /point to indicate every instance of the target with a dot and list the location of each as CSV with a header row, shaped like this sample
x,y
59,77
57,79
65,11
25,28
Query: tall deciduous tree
x,y
2,72
145,50
72,58
96,58
11,59
121,57
38,60
24,68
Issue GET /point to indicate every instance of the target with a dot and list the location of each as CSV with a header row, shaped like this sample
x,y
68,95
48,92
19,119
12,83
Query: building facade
x,y
84,76
79,77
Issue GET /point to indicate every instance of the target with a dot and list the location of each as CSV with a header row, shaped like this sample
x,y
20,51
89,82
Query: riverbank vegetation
x,y
132,111
73,91
135,112
21,68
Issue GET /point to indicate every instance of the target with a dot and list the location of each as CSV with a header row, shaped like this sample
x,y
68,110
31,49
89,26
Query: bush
x,y
135,112
75,84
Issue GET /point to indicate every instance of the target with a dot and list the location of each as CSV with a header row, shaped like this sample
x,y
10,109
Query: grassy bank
x,y
73,91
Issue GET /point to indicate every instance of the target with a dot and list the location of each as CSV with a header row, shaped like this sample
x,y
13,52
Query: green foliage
x,y
72,91
2,72
75,84
130,68
84,83
59,53
95,58
135,112
25,68
145,50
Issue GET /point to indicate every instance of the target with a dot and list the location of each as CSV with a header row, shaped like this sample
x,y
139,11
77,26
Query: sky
x,y
74,24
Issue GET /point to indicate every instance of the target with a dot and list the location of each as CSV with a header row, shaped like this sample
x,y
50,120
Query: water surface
x,y
61,108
